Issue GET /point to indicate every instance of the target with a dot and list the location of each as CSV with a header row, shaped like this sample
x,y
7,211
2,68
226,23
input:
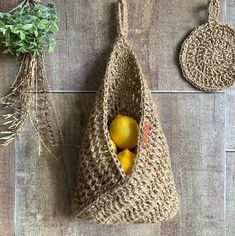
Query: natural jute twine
x,y
104,193
207,55
29,99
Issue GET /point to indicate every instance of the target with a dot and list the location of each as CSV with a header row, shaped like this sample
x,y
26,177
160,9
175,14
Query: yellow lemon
x,y
127,160
114,147
124,132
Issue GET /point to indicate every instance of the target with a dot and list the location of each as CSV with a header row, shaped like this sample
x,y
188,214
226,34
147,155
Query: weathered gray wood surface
x,y
194,123
229,13
230,118
7,191
230,194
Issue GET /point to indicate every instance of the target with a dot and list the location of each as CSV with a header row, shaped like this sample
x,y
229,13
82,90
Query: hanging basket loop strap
x,y
213,11
122,19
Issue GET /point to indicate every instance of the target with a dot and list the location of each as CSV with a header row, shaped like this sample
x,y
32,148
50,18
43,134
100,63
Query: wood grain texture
x,y
155,33
229,13
87,32
6,183
230,121
8,69
7,191
230,194
194,127
192,123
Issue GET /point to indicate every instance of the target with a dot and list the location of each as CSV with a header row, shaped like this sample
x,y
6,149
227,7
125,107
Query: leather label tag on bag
x,y
145,137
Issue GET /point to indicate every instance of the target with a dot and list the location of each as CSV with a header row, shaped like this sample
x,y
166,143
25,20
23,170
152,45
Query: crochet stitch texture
x,y
207,55
104,194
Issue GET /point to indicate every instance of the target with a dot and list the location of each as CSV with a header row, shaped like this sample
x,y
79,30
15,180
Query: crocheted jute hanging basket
x,y
104,194
207,55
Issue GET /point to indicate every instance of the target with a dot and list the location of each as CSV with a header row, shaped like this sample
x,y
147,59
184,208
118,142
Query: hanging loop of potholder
x,y
213,11
206,56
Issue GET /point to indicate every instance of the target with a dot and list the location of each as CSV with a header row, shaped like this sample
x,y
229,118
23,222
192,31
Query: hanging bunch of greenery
x,y
28,28
27,31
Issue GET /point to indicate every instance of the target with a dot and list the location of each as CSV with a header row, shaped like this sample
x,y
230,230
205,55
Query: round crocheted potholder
x,y
207,56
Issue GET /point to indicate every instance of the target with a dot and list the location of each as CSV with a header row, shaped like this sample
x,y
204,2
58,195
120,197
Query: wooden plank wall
x,y
36,192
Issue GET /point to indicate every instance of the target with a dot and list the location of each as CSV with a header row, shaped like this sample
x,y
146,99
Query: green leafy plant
x,y
26,31
28,28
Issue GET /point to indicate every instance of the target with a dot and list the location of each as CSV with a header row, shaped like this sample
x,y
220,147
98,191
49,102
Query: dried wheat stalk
x,y
29,99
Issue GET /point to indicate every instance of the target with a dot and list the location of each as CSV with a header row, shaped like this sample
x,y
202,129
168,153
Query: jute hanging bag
x,y
207,55
104,193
